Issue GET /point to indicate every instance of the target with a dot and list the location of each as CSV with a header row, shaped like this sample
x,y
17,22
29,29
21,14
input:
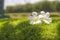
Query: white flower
x,y
34,19
45,17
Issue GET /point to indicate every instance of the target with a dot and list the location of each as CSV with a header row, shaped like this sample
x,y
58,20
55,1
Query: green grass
x,y
20,29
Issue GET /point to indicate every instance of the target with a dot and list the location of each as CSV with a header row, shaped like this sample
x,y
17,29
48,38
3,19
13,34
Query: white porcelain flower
x,y
34,19
45,17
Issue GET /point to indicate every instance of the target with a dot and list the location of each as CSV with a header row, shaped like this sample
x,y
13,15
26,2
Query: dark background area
x,y
44,5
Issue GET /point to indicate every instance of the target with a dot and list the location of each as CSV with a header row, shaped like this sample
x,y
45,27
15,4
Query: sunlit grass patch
x,y
49,31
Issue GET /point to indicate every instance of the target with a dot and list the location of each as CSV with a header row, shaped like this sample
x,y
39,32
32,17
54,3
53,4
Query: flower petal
x,y
34,22
38,22
40,16
47,14
30,18
34,13
42,13
48,20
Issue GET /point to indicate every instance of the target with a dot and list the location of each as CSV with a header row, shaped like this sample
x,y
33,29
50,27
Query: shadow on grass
x,y
23,31
30,32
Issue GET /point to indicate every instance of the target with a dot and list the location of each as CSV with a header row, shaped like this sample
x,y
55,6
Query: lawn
x,y
19,28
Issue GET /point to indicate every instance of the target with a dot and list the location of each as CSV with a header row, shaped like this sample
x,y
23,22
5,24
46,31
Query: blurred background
x,y
28,6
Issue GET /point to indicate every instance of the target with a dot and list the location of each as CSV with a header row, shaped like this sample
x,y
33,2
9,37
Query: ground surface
x,y
18,28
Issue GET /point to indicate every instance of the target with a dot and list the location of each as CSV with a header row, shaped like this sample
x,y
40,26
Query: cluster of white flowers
x,y
36,19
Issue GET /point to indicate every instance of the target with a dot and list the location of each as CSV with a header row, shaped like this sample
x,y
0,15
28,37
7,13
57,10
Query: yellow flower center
x,y
35,19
